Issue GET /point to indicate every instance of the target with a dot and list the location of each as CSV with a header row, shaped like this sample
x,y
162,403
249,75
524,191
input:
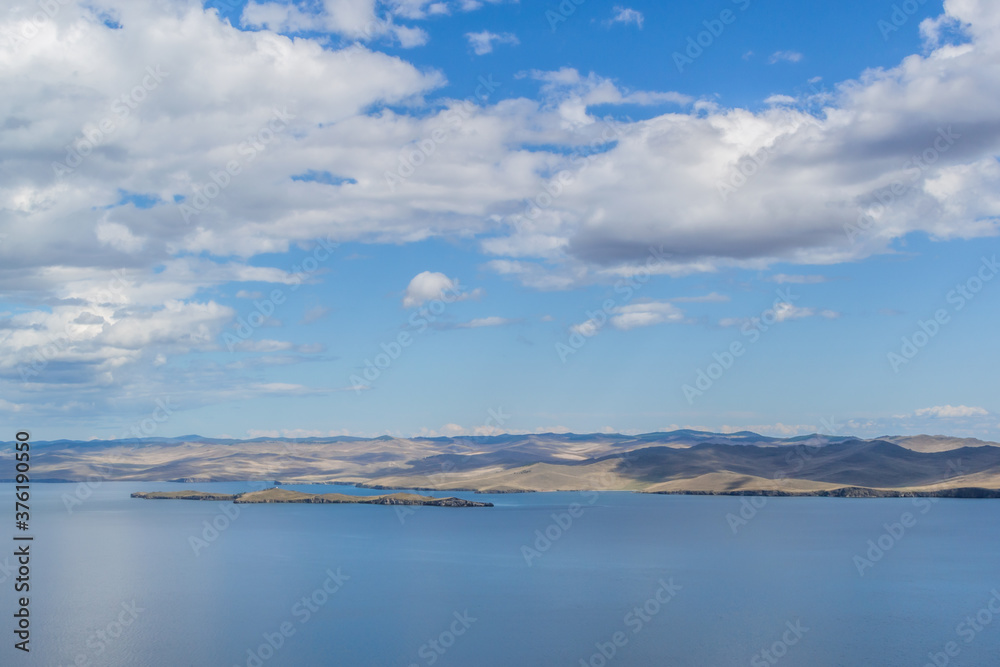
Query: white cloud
x,y
571,93
7,406
645,314
189,325
482,42
587,329
626,15
780,99
492,321
428,286
820,177
652,182
89,318
784,312
295,433
950,412
785,56
355,19
118,237
632,316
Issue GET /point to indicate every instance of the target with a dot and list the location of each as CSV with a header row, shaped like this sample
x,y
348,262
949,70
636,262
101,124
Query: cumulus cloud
x,y
197,87
118,236
951,411
645,314
482,42
89,318
824,172
428,286
355,19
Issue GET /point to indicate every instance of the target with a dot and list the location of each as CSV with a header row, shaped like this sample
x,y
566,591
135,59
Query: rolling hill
x,y
676,462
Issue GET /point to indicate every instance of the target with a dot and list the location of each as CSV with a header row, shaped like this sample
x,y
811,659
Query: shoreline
x,y
279,495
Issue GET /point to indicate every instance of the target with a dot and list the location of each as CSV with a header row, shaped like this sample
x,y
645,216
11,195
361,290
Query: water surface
x,y
144,583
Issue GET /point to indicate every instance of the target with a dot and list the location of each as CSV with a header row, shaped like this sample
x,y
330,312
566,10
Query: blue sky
x,y
240,213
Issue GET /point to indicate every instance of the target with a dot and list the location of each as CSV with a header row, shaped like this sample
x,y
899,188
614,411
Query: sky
x,y
448,217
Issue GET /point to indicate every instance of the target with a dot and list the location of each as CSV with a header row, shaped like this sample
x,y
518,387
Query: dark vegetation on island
x,y
277,495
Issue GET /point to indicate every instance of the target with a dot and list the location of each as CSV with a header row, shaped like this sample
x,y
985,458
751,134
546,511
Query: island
x,y
277,495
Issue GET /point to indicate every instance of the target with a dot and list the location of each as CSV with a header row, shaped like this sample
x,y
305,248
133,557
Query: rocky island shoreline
x,y
278,495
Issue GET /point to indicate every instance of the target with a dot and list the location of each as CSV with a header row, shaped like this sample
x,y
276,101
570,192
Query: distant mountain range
x,y
682,461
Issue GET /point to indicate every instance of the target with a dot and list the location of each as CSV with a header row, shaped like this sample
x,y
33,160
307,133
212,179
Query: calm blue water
x,y
118,582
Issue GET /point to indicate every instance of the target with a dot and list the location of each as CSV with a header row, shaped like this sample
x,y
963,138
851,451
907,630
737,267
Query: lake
x,y
540,579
